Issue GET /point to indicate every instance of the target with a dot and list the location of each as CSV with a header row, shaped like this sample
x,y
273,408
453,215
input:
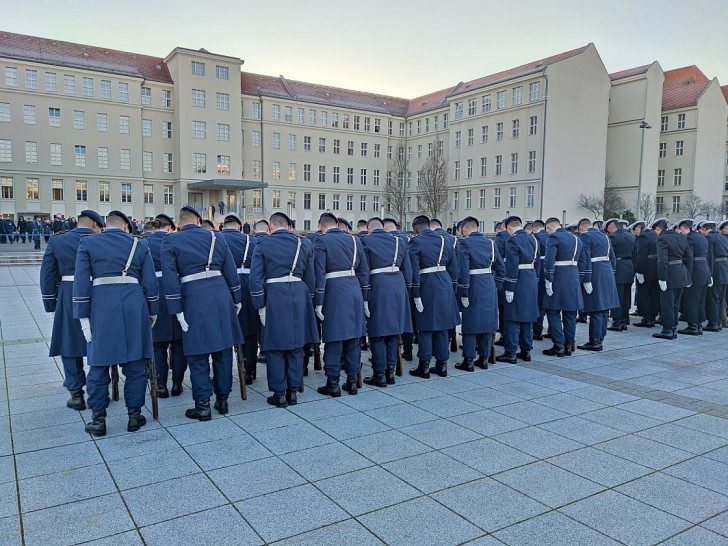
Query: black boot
x,y
378,379
201,411
556,350
691,330
481,363
221,404
389,375
278,400
162,391
667,333
454,344
713,327
467,365
645,323
700,328
407,355
136,419
440,368
350,385
291,396
524,355
249,377
97,426
617,326
569,348
500,341
177,388
422,370
331,388
507,357
593,345
76,401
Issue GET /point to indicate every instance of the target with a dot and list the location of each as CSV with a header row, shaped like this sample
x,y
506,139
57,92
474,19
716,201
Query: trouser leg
x,y
424,349
293,368
250,352
668,309
569,320
332,358
525,336
275,363
511,333
222,370
702,295
73,371
200,376
179,361
651,300
469,346
555,326
714,304
538,325
97,387
161,360
378,346
392,345
351,353
135,383
407,342
484,343
677,297
440,342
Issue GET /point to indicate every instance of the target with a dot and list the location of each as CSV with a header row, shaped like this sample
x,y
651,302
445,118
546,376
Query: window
x,y
102,124
221,72
512,197
146,96
458,138
79,120
389,152
56,155
530,193
322,145
376,177
322,173
103,157
312,117
335,203
401,129
147,161
324,119
481,201
375,203
679,146
299,115
455,200
367,125
306,172
255,139
81,190
378,125
484,134
199,163
363,177
483,166
517,98
166,129
334,119
57,190
167,164
663,124
456,171
469,168
69,85
487,103
659,205
198,98
357,122
533,125
676,203
126,193
349,202
6,188
291,172
31,79
534,91
514,163
276,112
499,131
378,150
79,155
468,199
257,201
532,161
677,178
54,117
105,89
50,82
458,110
306,143
125,159
363,203
6,151
146,127
222,101
123,92
472,107
276,173
292,143
660,178
496,198
470,136
663,149
104,192
124,125
337,175
31,152
276,199
5,112
498,165
349,175
350,147
307,201
276,140
681,121
148,194
198,68
256,170
288,115
419,151
33,190
364,146
321,201
166,98
168,195
223,134
501,100
199,129
516,127
223,166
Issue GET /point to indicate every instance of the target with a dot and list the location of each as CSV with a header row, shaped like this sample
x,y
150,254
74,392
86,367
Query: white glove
x,y
261,314
549,288
86,328
663,285
182,322
509,297
640,278
710,284
367,314
418,305
588,288
319,312
465,302
238,307
152,320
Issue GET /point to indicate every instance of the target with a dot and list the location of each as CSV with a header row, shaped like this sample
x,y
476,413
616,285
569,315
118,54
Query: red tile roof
x,y
430,101
683,87
629,72
57,52
725,92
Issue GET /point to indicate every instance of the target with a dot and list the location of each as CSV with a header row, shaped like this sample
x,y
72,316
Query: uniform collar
x,y
190,226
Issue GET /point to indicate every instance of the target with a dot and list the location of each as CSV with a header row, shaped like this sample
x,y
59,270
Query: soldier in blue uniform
x,y
56,286
623,243
343,224
200,275
718,263
393,227
566,266
242,247
693,296
167,333
342,291
436,226
480,265
115,297
390,275
602,295
645,266
281,286
538,230
674,263
501,236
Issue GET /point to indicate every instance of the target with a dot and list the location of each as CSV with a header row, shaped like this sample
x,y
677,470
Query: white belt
x,y
562,263
433,269
525,266
388,269
243,271
68,278
200,275
481,271
115,280
286,278
543,257
600,259
158,274
338,274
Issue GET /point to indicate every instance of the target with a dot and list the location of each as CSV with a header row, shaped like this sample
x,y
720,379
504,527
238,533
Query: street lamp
x,y
644,125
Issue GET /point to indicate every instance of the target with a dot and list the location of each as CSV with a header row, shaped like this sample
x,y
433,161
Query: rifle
x,y
115,383
152,379
316,357
398,369
241,372
358,377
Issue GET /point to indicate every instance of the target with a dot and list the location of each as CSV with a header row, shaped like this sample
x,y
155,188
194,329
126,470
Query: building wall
x,y
710,144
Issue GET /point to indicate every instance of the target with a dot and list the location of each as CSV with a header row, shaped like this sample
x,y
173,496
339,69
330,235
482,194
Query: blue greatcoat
x,y
119,313
477,252
59,261
388,300
500,242
290,318
718,257
562,246
521,249
674,259
700,274
542,237
343,297
599,251
167,327
645,254
242,247
207,303
623,243
435,289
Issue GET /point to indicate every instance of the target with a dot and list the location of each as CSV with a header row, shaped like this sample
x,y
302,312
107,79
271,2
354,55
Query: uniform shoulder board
x,y
60,232
140,236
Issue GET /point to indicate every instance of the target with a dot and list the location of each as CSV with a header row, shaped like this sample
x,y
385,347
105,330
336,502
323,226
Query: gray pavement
x,y
625,446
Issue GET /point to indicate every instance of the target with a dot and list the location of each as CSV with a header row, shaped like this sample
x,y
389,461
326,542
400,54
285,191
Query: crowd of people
x,y
33,231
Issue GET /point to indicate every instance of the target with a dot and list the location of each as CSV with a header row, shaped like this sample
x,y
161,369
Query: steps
x,y
31,257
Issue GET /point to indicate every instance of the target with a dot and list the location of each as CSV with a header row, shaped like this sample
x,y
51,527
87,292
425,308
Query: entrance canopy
x,y
226,184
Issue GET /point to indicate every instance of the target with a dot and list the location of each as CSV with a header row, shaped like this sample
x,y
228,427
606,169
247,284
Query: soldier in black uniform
x,y
693,297
718,264
674,263
645,266
623,243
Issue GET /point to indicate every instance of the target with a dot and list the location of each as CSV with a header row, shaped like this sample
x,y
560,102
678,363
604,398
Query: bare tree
x,y
432,182
605,204
648,207
397,191
594,203
691,206
711,210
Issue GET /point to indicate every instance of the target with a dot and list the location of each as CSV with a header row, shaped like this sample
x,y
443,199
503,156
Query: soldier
x,y
520,291
56,285
539,231
603,295
242,247
693,296
480,265
394,228
167,333
674,263
390,276
436,226
200,275
719,274
565,268
116,310
501,236
645,260
362,228
342,291
281,287
344,224
622,243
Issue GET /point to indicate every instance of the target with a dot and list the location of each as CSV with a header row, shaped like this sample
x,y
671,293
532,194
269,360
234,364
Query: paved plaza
x,y
627,446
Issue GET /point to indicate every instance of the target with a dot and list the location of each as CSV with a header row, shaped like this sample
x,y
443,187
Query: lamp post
x,y
644,125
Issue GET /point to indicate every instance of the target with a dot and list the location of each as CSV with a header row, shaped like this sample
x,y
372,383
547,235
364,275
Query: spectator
x,y
46,229
22,228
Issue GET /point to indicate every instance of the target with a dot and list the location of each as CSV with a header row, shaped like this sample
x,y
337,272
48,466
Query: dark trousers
x,y
562,325
384,352
693,304
598,325
285,369
222,374
517,334
538,325
434,342
36,241
649,299
169,354
501,320
624,293
477,342
250,353
135,385
407,341
670,307
346,352
73,372
714,303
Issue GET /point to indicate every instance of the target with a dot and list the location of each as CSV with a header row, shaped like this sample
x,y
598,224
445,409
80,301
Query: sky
x,y
402,48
